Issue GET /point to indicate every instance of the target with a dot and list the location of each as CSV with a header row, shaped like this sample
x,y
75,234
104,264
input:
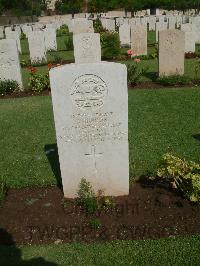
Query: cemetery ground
x,y
159,121
33,212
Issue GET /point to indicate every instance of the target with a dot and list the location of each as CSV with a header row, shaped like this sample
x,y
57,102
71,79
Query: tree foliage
x,y
69,6
34,7
31,7
135,5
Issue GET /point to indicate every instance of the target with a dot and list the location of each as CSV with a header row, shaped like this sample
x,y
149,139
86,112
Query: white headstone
x,y
15,36
139,40
26,29
152,23
37,47
190,37
171,52
125,34
90,103
8,29
108,24
18,30
50,39
9,61
171,23
159,27
82,26
87,48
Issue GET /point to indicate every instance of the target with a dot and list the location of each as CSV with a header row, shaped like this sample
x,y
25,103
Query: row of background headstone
x,y
42,40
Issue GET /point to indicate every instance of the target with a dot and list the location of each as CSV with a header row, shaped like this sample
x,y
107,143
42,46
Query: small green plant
x,y
135,72
146,57
8,86
23,36
182,175
69,46
25,63
110,44
64,30
38,82
108,203
86,196
95,224
98,28
174,80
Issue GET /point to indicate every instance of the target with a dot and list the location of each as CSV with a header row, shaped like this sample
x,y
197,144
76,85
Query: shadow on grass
x,y
51,151
11,255
197,137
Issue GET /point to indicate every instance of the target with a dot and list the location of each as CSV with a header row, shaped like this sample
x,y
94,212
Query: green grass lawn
x,y
159,121
176,251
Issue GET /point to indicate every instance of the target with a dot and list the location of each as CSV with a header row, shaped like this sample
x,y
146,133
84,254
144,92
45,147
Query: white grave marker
x,y
9,61
87,48
90,103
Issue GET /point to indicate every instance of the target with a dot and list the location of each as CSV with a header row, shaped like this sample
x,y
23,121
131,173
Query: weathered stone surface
x,y
87,48
171,52
18,30
190,37
159,27
8,29
82,26
108,24
125,34
139,40
50,39
26,29
9,61
152,23
37,47
14,35
90,103
171,23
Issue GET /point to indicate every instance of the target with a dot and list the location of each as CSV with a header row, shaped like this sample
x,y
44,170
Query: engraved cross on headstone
x,y
93,154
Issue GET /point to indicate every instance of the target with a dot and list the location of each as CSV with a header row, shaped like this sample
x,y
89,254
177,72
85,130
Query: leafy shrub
x,y
98,28
95,224
25,63
182,175
64,30
23,36
69,43
8,86
146,57
68,7
174,80
86,196
108,203
110,44
38,82
135,72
